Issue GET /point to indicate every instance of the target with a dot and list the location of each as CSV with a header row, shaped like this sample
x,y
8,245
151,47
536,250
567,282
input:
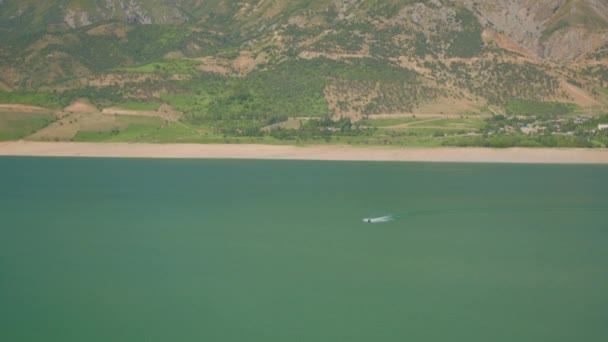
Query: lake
x,y
243,250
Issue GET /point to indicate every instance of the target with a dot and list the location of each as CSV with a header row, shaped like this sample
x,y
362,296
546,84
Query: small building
x,y
532,129
602,127
529,129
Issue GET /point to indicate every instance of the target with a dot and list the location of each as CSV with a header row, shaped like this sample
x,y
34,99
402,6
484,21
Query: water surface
x,y
214,250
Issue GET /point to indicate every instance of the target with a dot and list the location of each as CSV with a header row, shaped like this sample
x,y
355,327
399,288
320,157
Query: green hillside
x,y
241,67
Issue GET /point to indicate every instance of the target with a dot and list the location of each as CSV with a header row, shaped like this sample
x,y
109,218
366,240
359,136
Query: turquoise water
x,y
212,250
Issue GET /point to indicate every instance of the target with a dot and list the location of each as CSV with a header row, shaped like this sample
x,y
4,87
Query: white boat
x,y
381,219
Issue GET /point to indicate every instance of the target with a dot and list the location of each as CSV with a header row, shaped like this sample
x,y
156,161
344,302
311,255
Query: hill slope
x,y
263,61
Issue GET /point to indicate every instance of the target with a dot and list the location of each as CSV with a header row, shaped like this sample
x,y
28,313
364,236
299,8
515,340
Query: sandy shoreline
x,y
328,152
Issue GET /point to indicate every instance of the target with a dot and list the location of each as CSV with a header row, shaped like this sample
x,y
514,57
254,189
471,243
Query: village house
x,y
602,127
532,129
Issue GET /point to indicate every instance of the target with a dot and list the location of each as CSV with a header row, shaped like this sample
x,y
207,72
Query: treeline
x,y
495,81
264,97
291,89
325,128
458,37
74,53
46,100
519,140
99,96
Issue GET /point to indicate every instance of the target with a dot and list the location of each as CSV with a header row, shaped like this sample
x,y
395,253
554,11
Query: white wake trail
x,y
381,219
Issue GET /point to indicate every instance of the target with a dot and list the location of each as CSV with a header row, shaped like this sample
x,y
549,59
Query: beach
x,y
313,152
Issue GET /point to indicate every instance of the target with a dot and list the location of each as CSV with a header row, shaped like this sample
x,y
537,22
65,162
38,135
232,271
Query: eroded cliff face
x,y
582,27
555,30
74,14
571,44
376,56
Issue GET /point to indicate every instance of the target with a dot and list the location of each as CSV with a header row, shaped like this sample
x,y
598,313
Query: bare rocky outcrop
x,y
88,12
475,51
556,30
571,44
76,19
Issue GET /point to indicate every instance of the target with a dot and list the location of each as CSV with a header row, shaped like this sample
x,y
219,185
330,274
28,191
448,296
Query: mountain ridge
x,y
471,52
528,23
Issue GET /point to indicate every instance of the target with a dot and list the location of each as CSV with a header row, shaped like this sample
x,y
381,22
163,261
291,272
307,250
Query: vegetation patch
x,y
95,136
499,82
454,123
552,29
41,99
290,89
143,44
467,42
174,67
15,126
341,41
177,132
99,96
144,106
127,129
540,109
519,140
388,122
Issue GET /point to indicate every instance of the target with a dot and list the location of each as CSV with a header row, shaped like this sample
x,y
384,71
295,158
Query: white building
x,y
602,126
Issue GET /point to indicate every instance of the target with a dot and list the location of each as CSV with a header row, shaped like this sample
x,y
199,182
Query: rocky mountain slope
x,y
557,30
341,58
551,29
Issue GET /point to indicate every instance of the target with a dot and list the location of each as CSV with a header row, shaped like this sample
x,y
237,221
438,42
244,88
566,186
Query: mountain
x,y
228,59
556,30
540,27
33,15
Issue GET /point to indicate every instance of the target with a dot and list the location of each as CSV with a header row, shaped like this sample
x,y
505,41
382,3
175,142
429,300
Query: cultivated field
x,y
17,123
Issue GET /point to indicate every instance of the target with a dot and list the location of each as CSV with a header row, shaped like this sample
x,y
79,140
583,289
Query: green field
x,y
389,122
34,98
540,109
128,129
15,126
147,106
454,123
151,131
412,122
